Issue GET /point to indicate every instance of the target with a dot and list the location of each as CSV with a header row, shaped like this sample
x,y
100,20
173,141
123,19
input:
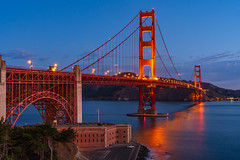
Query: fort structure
x,y
98,135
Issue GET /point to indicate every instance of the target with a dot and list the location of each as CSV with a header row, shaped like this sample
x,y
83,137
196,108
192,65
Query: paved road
x,y
115,152
123,152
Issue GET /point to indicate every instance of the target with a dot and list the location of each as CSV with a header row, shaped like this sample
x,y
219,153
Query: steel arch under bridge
x,y
53,94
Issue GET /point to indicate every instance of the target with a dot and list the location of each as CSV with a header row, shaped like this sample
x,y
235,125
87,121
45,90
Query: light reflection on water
x,y
207,131
166,138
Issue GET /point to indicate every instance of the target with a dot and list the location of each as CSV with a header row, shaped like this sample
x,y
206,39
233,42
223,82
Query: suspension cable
x,y
111,50
160,56
101,45
167,49
163,62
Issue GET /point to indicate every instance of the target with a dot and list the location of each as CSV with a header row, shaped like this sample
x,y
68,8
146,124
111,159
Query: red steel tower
x,y
197,82
147,94
197,76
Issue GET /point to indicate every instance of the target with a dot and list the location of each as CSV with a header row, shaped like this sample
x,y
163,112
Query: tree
x,y
67,135
4,138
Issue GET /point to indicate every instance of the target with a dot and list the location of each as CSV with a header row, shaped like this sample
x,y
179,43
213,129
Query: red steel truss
x,y
52,93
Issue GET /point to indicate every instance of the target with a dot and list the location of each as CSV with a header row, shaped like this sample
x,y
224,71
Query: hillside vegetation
x,y
38,142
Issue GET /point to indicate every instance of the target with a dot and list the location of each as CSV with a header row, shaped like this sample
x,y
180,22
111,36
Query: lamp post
x,y
30,63
56,66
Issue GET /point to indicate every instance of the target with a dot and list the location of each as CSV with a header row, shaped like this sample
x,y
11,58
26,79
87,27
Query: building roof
x,y
87,125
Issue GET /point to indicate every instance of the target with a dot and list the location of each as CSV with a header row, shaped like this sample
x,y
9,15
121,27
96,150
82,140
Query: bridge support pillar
x,y
147,98
2,88
78,94
198,97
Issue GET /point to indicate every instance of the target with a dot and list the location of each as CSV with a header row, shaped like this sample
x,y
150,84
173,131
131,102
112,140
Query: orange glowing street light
x,y
93,71
31,65
107,72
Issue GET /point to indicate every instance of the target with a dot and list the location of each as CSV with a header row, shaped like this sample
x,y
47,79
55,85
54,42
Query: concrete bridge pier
x,y
78,94
2,88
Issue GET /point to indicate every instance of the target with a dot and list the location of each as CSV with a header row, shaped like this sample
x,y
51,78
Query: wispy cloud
x,y
43,58
219,57
82,54
18,54
224,56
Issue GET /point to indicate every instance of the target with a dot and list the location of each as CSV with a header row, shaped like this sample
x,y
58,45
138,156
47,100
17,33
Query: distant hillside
x,y
213,91
112,92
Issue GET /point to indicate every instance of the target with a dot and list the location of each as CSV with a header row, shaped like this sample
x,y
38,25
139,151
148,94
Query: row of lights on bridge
x,y
55,68
105,73
144,78
52,68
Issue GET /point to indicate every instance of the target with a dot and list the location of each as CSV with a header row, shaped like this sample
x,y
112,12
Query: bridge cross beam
x,y
147,98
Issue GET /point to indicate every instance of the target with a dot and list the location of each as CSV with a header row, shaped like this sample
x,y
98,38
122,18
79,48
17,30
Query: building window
x,y
93,140
124,131
81,135
93,135
97,140
85,135
97,135
85,140
124,136
89,140
81,141
89,135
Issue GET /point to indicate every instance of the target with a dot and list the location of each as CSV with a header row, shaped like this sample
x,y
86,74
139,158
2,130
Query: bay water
x,y
207,131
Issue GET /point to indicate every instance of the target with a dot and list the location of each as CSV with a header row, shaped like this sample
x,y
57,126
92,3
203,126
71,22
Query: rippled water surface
x,y
207,131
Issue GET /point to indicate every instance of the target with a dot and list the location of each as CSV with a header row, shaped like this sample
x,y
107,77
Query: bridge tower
x,y
197,76
2,88
147,94
197,82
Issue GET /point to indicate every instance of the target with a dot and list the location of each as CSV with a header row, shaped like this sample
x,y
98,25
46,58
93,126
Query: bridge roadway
x,y
97,79
114,80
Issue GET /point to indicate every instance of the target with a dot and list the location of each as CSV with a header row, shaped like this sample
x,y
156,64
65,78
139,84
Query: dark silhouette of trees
x,y
31,142
5,129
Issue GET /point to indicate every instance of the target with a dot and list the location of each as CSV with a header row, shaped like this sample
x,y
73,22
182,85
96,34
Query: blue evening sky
x,y
205,32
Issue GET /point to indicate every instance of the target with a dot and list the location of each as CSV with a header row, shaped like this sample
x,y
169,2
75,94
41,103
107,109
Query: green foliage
x,y
31,142
4,130
67,135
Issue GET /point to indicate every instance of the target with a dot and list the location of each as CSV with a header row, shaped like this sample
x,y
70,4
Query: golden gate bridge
x,y
128,58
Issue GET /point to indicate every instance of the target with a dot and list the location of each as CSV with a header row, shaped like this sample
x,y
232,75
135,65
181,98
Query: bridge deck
x,y
15,75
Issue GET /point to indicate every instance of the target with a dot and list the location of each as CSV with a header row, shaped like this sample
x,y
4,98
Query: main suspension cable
x,y
101,45
167,49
